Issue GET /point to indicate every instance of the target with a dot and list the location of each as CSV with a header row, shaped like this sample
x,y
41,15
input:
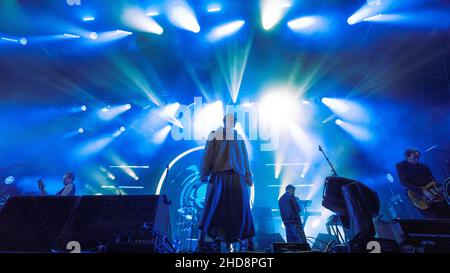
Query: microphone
x,y
431,148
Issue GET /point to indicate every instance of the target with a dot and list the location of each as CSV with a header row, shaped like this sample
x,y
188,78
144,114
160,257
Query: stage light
x,y
137,19
366,11
10,40
120,31
278,106
373,18
67,35
338,106
9,180
152,12
338,122
214,7
93,35
109,113
83,108
23,41
169,113
346,109
182,16
272,11
80,130
308,24
118,132
88,18
302,23
225,30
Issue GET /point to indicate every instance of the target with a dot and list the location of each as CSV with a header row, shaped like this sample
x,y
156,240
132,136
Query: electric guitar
x,y
432,194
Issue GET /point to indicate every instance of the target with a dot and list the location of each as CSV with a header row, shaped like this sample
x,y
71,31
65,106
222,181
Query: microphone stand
x,y
333,170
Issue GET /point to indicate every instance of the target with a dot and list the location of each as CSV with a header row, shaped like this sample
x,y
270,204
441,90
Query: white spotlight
x,y
182,16
83,108
214,7
93,35
139,20
23,41
80,130
272,11
225,30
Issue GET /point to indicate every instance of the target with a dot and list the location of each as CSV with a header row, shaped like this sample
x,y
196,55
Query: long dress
x,y
227,214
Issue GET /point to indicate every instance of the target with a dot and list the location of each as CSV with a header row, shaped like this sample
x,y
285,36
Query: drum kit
x,y
192,203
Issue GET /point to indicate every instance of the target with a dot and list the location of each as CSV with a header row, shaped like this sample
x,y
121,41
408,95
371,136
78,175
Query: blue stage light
x,y
214,7
225,30
139,20
182,16
23,41
80,130
83,108
272,11
88,18
93,35
308,24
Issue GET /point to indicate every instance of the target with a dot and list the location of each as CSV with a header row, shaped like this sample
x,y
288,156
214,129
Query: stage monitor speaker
x,y
34,224
102,219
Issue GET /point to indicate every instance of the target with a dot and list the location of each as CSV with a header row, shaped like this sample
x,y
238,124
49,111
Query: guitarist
x,y
68,189
414,176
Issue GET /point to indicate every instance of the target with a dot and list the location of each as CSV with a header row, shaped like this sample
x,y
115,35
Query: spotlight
x,y
273,11
80,130
122,129
279,106
152,13
73,36
308,24
338,122
225,30
23,41
182,16
93,35
214,7
128,106
339,106
140,20
88,18
124,32
83,108
9,180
